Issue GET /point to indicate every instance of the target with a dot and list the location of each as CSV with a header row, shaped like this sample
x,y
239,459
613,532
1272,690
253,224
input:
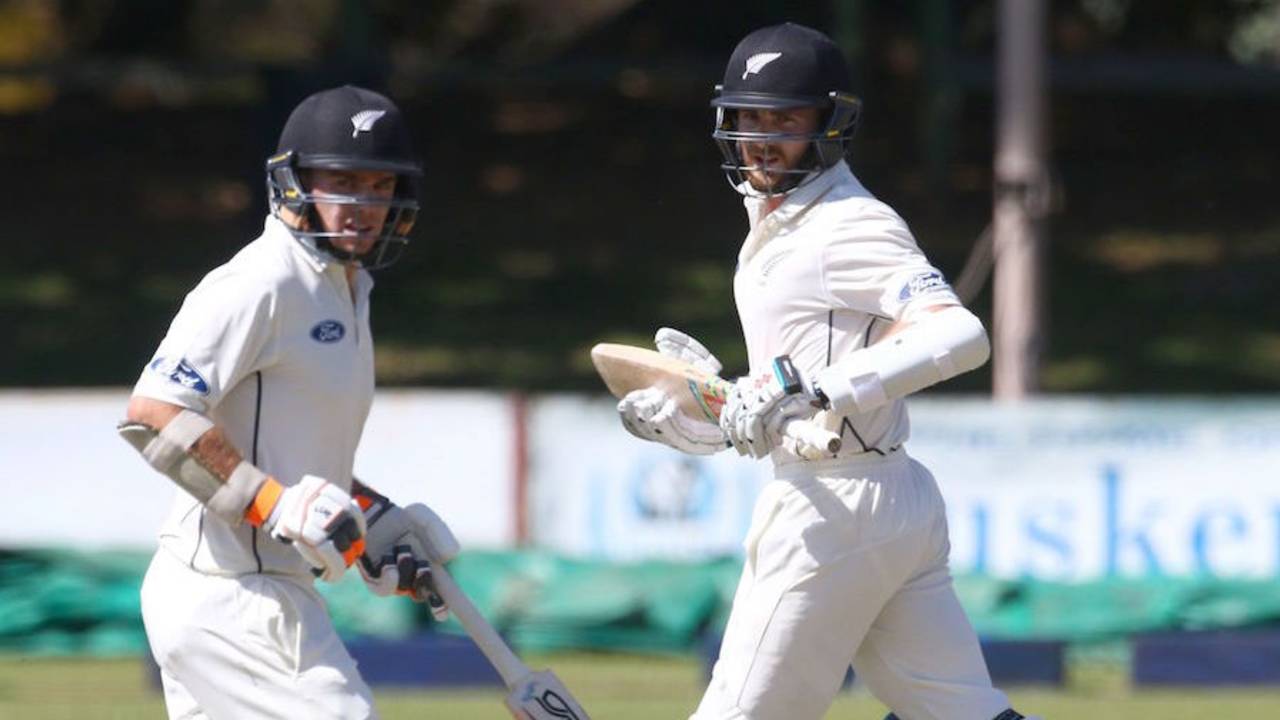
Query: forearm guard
x,y
228,494
937,346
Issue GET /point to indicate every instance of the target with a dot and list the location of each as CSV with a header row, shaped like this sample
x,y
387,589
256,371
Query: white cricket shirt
x,y
822,276
271,347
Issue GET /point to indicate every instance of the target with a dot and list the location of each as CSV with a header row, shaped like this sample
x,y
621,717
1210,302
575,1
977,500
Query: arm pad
x,y
936,346
169,452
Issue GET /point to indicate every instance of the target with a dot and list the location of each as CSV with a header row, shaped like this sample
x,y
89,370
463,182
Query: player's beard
x,y
769,169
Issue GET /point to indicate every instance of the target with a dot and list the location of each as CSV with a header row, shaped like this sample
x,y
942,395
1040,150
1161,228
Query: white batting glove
x,y
673,343
650,414
757,409
322,523
399,547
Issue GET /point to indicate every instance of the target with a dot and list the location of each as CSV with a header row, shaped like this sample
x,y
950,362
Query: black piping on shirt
x,y
866,342
257,420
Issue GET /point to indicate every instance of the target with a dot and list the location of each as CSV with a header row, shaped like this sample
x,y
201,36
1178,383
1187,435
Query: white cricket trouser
x,y
255,646
846,563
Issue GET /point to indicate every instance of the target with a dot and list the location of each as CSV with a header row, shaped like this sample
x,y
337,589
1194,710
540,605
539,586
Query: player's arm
x,y
318,518
400,545
927,345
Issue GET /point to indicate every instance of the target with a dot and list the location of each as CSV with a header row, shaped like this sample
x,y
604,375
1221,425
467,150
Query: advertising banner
x,y
1051,489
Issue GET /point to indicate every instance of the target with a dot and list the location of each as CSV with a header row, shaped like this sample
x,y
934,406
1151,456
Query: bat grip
x,y
812,442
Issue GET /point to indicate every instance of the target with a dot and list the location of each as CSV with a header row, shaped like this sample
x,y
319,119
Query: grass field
x,y
612,687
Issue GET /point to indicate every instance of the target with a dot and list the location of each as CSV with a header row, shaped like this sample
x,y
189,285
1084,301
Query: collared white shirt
x,y
820,277
271,347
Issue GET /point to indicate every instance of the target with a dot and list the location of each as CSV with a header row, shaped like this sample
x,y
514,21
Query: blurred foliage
x,y
572,190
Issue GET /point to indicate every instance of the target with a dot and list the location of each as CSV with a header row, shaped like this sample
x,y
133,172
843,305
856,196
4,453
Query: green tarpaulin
x,y
61,602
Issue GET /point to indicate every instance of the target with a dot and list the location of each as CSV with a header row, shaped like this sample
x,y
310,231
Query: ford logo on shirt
x,y
180,371
925,282
328,331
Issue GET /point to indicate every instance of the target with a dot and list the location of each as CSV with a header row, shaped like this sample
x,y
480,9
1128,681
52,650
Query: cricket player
x,y
846,557
253,405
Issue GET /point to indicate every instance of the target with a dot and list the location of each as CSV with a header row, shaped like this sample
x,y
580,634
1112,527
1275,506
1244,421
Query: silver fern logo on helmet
x,y
756,63
364,120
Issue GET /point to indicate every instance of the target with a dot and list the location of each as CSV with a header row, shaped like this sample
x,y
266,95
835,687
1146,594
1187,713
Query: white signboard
x,y
69,480
597,491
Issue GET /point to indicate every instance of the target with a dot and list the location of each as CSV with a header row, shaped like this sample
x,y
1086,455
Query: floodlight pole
x,y
1021,198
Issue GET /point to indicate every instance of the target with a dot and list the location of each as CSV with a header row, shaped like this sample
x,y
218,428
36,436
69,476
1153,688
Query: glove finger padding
x,y
650,414
730,416
676,344
323,524
402,543
382,575
756,411
402,572
636,410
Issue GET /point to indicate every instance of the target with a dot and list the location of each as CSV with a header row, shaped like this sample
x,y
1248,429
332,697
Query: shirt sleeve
x,y
873,265
223,332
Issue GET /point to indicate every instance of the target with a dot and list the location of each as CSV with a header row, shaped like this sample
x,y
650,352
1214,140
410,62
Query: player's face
x,y
767,159
359,225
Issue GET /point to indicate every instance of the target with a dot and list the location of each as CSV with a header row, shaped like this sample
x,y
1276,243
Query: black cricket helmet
x,y
779,68
345,128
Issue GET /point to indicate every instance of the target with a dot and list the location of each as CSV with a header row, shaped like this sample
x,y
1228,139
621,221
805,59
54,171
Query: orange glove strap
x,y
264,502
354,552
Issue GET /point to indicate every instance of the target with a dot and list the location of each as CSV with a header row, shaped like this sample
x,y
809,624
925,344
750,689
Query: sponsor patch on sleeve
x,y
180,371
922,284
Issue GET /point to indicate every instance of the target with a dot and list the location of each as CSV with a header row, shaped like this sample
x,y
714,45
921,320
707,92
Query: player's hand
x,y
398,550
759,407
675,344
322,523
650,414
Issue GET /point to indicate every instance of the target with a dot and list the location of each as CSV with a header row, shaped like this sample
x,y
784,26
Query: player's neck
x,y
349,269
771,203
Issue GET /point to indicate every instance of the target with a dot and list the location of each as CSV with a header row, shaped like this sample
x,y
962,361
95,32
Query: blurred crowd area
x,y
572,191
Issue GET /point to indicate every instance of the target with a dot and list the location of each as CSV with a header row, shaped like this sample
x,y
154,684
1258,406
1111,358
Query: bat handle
x,y
812,442
510,667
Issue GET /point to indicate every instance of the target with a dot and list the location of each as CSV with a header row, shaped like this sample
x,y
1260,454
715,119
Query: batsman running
x,y
253,405
846,556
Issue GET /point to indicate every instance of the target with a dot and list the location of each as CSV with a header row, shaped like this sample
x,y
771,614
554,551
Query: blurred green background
x,y
572,190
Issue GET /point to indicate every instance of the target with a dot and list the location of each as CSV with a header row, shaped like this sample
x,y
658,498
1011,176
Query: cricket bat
x,y
625,368
531,695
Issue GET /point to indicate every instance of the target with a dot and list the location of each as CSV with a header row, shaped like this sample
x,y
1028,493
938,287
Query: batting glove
x,y
399,548
673,343
650,414
759,407
317,518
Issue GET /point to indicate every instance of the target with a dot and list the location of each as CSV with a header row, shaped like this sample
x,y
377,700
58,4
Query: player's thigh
x,y
256,646
921,656
785,651
300,667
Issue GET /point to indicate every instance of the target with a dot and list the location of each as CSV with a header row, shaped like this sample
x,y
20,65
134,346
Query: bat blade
x,y
625,368
541,696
